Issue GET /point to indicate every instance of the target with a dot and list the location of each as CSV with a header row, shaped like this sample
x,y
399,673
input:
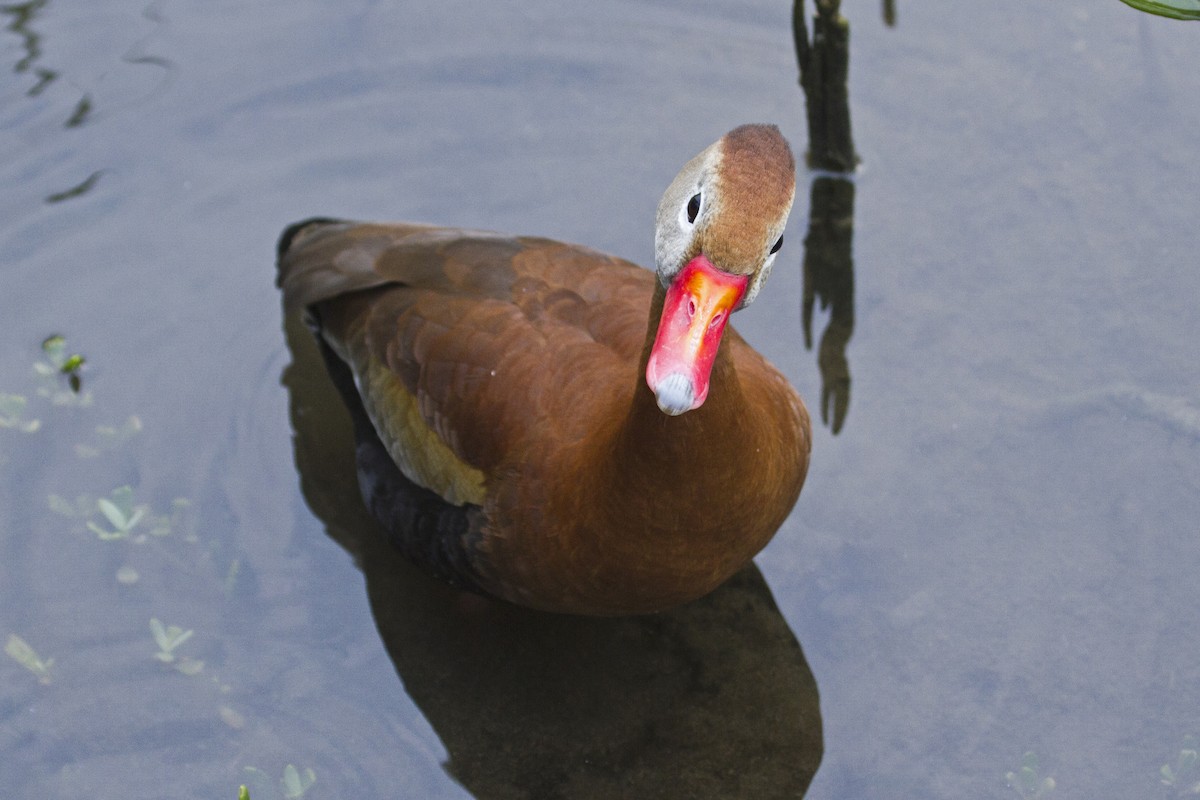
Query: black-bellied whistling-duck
x,y
601,446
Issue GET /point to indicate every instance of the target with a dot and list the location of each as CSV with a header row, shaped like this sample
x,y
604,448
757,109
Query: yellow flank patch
x,y
419,452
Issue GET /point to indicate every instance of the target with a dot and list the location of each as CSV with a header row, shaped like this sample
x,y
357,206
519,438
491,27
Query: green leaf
x,y
243,793
160,634
259,782
135,519
168,638
291,781
20,651
189,666
178,635
115,516
72,363
106,535
295,785
1175,9
53,346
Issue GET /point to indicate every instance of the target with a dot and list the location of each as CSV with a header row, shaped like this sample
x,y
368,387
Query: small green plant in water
x,y
122,515
12,414
60,362
1184,776
168,638
110,437
19,650
243,793
1027,782
124,519
294,783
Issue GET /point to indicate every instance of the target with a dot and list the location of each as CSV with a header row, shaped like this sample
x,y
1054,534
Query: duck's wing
x,y
473,352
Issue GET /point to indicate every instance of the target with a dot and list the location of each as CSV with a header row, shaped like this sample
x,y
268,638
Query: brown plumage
x,y
509,376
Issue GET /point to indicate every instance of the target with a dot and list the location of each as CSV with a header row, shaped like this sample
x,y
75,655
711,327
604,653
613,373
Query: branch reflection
x,y
824,64
829,280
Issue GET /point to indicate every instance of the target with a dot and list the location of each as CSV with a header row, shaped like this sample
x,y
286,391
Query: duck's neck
x,y
680,461
681,502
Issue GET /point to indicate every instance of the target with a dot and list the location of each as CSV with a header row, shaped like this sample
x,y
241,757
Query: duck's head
x,y
719,226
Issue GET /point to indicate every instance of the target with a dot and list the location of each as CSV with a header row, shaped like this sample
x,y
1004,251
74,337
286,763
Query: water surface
x,y
996,554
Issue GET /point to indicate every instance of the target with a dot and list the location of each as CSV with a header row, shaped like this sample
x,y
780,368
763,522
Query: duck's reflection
x,y
712,700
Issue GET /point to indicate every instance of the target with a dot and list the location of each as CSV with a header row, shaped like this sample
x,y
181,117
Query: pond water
x,y
996,554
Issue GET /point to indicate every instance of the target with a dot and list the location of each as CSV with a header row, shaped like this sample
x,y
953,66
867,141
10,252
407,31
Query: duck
x,y
586,436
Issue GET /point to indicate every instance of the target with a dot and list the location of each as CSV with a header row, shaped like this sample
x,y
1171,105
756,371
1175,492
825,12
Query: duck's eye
x,y
778,244
693,208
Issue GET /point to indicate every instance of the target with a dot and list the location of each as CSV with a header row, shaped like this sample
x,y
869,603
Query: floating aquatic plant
x,y
60,362
168,638
110,437
1026,780
1184,776
124,519
1175,9
118,509
293,784
20,651
57,363
12,414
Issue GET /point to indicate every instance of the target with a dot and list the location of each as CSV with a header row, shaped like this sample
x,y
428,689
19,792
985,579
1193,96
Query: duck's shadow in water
x,y
713,699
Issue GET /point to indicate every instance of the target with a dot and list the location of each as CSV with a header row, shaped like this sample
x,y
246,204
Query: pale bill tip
x,y
675,394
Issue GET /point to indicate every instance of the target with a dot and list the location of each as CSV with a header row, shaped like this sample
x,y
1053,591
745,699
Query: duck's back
x,y
465,343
